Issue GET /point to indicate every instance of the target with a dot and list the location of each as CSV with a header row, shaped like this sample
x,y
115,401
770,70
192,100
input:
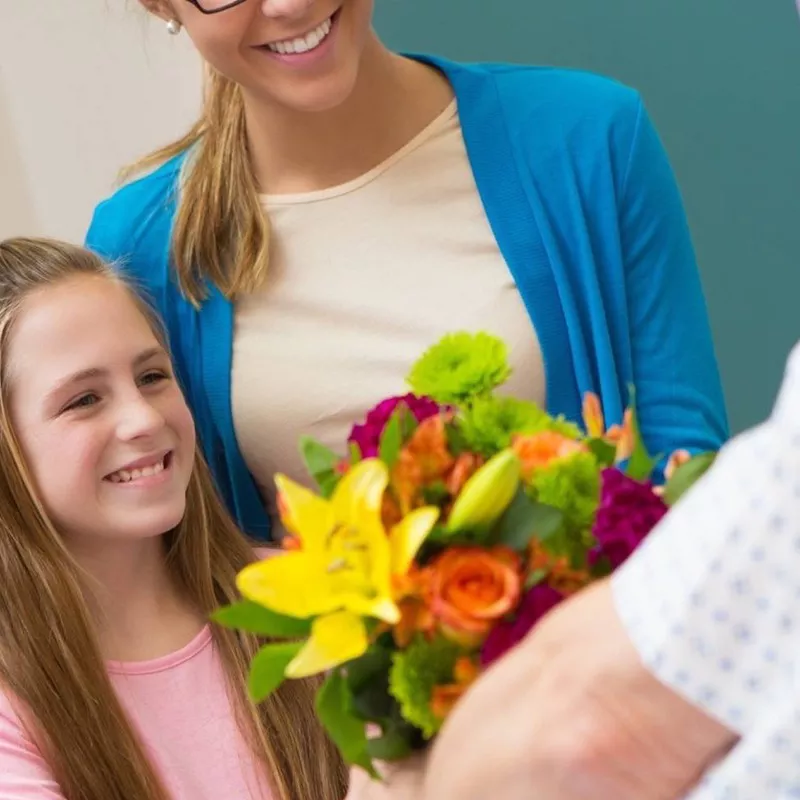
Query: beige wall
x,y
85,86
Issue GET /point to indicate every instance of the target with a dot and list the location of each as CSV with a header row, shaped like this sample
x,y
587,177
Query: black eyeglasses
x,y
214,6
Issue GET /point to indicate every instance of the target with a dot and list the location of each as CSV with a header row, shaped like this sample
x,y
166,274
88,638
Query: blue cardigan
x,y
583,204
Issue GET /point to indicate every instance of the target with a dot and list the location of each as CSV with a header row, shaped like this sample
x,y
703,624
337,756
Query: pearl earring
x,y
173,27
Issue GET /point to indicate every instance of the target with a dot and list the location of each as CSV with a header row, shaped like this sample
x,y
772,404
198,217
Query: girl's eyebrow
x,y
99,372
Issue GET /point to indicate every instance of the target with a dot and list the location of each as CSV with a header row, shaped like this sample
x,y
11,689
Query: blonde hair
x,y
50,662
220,232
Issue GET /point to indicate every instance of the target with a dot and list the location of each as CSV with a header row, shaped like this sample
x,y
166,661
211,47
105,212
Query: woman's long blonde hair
x,y
50,662
221,231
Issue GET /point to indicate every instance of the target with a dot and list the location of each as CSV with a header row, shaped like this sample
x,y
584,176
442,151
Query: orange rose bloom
x,y
471,587
537,450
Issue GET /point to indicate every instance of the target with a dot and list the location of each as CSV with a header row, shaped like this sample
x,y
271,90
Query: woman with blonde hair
x,y
338,207
114,550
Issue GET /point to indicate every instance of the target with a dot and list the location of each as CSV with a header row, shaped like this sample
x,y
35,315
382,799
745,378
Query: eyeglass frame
x,y
232,4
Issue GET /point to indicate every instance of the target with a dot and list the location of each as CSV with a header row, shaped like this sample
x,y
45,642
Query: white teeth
x,y
304,43
126,476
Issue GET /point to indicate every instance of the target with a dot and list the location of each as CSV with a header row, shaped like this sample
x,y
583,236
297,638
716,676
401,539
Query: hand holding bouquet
x,y
457,519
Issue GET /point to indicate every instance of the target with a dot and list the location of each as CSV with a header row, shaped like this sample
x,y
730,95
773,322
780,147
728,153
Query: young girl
x,y
114,549
338,207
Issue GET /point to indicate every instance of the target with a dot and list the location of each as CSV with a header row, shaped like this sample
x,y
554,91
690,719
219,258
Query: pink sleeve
x,y
24,775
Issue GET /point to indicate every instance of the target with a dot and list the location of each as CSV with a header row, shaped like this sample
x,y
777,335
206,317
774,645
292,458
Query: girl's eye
x,y
154,376
84,401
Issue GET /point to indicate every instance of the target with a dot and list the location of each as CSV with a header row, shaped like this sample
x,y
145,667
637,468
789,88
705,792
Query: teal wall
x,y
721,79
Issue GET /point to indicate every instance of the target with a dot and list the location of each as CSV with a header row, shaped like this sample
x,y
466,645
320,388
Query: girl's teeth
x,y
304,43
126,476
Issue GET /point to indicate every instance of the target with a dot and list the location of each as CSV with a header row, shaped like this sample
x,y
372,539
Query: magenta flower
x,y
628,511
509,632
368,435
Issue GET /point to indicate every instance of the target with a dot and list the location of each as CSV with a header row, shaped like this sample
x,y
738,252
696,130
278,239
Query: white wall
x,y
85,87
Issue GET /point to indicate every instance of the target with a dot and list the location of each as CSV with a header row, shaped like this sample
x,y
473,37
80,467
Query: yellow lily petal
x,y
379,607
360,490
335,638
291,583
408,535
305,514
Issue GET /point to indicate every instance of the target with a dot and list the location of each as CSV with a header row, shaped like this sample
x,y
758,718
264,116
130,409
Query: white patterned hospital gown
x,y
712,602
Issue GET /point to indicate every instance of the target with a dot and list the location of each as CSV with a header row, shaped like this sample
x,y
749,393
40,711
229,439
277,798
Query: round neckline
x,y
162,663
296,198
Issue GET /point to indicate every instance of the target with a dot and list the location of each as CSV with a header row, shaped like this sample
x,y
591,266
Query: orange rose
x,y
537,450
471,587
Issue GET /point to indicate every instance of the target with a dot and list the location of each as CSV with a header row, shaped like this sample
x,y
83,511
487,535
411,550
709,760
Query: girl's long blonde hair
x,y
221,231
50,662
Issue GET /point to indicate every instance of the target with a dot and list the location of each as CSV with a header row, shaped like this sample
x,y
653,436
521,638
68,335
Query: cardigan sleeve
x,y
679,394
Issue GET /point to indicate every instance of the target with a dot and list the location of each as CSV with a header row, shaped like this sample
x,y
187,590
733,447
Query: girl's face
x,y
102,424
302,55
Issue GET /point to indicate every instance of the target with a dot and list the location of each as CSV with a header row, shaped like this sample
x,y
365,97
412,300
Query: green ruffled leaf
x,y
253,618
321,463
460,367
414,674
268,667
686,475
335,711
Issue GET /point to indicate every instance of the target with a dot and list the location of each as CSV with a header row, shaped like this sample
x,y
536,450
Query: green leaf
x,y
368,682
535,578
641,463
604,451
408,422
362,670
391,440
355,453
321,463
268,667
686,475
253,618
345,729
393,745
435,493
525,520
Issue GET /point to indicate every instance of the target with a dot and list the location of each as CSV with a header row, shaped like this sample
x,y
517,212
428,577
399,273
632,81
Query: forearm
x,y
621,733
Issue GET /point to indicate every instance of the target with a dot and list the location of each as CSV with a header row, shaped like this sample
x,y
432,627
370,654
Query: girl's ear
x,y
161,8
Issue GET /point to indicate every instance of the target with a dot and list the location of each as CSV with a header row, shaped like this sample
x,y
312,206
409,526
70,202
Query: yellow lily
x,y
345,566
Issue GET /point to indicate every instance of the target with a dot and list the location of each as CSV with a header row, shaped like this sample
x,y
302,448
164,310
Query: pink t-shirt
x,y
181,711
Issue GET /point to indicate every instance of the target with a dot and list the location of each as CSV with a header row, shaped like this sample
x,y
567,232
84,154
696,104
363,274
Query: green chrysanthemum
x,y
415,672
459,367
489,423
573,486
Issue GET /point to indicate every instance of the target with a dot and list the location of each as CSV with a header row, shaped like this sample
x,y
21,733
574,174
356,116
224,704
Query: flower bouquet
x,y
456,520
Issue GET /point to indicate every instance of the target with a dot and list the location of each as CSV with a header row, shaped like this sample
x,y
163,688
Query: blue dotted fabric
x,y
712,603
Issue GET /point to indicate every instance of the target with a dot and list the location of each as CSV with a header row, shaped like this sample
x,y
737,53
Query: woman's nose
x,y
286,8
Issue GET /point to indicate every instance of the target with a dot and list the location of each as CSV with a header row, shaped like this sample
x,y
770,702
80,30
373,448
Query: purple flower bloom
x,y
368,435
628,511
509,632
